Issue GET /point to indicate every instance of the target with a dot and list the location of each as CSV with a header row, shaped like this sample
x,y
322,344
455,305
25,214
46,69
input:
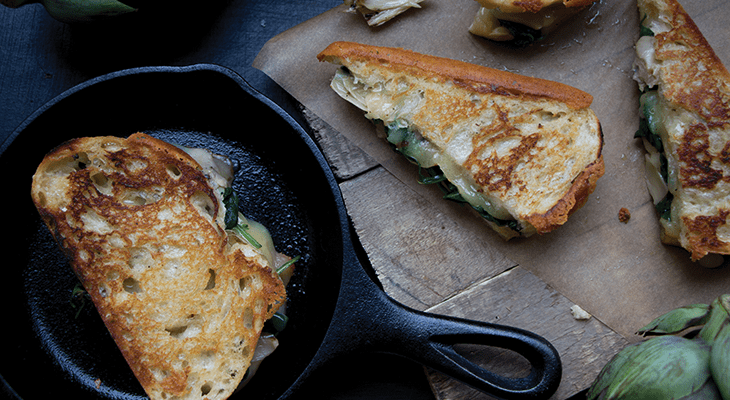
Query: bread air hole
x,y
131,285
205,389
211,280
244,284
139,258
248,318
141,197
173,171
204,204
177,331
102,183
80,161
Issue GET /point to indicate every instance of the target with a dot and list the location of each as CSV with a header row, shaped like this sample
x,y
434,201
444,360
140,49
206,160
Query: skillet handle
x,y
429,339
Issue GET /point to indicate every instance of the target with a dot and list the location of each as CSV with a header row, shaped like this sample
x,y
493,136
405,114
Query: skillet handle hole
x,y
504,362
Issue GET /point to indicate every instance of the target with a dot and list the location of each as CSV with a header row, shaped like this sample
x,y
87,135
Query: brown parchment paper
x,y
619,272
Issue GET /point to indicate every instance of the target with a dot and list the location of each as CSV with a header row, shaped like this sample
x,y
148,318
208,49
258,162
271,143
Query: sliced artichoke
x,y
378,12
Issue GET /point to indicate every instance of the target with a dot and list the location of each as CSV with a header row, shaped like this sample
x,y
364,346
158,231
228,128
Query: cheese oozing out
x,y
667,121
378,105
220,173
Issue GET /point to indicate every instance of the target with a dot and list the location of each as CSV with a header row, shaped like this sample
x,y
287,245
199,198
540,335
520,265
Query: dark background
x,y
41,57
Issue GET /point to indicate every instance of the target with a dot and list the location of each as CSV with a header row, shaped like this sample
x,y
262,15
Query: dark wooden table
x,y
41,57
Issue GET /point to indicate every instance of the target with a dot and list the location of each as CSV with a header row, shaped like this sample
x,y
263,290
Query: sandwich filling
x,y
220,173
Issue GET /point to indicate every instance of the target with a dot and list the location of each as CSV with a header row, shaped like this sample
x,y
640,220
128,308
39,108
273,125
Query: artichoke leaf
x,y
677,320
719,318
720,362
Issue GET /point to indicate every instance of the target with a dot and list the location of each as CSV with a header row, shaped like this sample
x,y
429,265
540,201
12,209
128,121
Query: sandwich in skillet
x,y
521,22
524,152
144,226
685,127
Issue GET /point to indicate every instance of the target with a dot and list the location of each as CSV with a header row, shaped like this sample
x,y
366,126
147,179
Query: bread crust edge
x,y
477,78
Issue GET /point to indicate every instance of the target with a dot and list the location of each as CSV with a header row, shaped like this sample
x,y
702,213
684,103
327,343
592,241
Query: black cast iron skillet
x,y
335,308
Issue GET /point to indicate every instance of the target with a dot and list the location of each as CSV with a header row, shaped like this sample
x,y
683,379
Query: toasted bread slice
x,y
686,103
524,152
143,229
516,20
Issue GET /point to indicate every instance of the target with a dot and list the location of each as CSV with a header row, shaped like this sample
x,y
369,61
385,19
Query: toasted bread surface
x,y
694,87
142,228
472,77
533,147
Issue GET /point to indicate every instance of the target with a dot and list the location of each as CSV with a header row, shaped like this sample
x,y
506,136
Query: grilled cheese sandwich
x,y
525,153
685,127
143,224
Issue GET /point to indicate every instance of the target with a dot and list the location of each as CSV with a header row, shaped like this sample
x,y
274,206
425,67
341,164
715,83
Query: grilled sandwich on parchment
x,y
524,152
142,224
685,127
522,22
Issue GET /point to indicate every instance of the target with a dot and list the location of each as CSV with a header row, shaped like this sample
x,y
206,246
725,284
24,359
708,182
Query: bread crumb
x,y
579,313
624,215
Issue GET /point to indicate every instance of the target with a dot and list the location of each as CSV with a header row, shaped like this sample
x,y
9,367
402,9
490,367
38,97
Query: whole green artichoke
x,y
663,367
70,11
668,366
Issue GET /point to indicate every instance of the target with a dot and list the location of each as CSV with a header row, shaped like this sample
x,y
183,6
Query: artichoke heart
x,y
378,12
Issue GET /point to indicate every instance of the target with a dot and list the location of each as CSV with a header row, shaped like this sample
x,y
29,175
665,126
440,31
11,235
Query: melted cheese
x,y
218,169
220,173
645,66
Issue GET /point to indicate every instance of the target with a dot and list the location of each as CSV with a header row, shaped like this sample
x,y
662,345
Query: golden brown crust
x,y
576,197
695,85
139,222
703,90
474,77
